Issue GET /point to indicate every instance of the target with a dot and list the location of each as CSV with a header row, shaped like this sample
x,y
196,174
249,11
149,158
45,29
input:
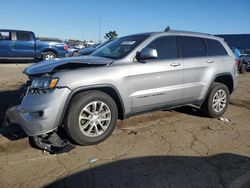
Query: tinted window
x,y
192,47
23,36
166,47
215,48
120,47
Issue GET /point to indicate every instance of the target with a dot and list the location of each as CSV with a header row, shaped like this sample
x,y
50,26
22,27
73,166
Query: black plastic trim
x,y
214,78
163,107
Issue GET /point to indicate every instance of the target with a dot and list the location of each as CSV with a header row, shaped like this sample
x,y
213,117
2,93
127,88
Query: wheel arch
x,y
108,89
224,78
49,50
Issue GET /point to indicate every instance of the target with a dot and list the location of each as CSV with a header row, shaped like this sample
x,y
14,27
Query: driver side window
x,y
166,47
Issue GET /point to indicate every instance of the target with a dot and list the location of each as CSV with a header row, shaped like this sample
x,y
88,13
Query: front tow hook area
x,y
53,143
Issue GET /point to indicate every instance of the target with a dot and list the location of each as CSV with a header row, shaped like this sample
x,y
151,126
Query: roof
x,y
13,30
177,32
141,34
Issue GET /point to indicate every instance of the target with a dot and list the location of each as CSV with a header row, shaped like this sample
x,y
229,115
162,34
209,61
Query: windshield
x,y
104,43
120,47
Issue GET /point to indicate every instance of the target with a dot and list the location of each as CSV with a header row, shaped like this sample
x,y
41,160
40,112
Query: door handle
x,y
210,61
175,64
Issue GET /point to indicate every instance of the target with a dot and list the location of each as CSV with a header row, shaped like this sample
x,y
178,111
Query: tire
x,y
75,53
97,103
218,89
48,56
243,68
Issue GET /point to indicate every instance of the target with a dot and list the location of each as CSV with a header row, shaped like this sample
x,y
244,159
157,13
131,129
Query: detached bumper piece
x,y
53,143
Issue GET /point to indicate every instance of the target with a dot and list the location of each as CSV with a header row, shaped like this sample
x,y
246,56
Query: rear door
x,y
24,45
5,44
158,83
197,66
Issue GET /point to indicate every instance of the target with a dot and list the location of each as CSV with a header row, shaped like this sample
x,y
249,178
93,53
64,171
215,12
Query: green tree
x,y
111,35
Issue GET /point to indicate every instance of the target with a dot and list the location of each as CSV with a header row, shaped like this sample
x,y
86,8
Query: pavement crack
x,y
124,153
166,141
195,139
99,149
63,165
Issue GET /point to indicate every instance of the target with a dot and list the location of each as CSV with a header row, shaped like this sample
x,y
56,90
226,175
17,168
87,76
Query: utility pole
x,y
100,24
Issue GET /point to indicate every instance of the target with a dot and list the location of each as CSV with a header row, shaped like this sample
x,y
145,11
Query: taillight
x,y
236,62
66,47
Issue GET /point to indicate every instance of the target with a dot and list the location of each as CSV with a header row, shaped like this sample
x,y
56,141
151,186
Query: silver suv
x,y
84,96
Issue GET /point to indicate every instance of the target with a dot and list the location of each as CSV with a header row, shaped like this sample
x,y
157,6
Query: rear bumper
x,y
39,114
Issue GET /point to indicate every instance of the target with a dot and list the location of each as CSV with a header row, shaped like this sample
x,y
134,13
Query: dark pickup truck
x,y
23,45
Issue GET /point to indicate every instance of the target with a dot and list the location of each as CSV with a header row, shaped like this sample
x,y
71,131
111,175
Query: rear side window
x,y
5,35
23,36
215,48
192,46
166,47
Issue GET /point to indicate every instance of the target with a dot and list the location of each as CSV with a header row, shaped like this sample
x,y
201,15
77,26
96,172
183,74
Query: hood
x,y
48,66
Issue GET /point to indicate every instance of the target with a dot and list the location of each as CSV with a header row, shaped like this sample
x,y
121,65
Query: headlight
x,y
44,83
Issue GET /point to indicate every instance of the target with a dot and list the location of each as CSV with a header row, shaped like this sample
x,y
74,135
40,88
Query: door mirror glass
x,y
147,54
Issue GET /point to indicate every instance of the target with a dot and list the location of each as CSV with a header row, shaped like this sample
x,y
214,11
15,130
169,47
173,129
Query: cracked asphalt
x,y
176,148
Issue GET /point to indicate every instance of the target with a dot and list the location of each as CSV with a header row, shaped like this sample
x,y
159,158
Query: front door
x,y
158,83
24,45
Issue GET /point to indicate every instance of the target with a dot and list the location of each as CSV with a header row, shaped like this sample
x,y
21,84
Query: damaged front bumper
x,y
40,115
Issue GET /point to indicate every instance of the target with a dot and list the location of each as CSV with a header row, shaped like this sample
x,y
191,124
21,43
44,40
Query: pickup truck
x,y
23,45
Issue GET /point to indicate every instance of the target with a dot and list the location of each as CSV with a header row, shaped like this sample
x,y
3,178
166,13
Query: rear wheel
x,y
91,117
217,101
49,56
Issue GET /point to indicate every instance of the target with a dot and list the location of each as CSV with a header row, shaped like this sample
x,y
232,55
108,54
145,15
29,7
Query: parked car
x,y
73,51
242,63
84,96
248,62
80,46
89,43
90,50
245,63
23,45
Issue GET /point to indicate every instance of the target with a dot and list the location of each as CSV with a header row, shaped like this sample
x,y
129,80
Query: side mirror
x,y
147,54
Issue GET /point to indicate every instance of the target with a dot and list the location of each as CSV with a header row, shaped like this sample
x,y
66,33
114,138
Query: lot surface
x,y
177,148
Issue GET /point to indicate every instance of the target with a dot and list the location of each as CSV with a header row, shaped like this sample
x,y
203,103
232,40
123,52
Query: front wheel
x,y
216,102
91,117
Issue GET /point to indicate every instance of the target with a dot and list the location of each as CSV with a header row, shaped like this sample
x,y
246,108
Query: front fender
x,y
102,87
